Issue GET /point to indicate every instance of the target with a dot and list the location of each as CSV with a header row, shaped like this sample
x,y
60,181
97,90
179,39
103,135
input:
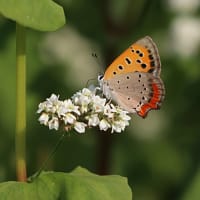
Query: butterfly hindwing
x,y
137,92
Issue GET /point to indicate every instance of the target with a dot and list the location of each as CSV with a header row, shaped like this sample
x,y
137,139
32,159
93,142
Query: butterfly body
x,y
133,81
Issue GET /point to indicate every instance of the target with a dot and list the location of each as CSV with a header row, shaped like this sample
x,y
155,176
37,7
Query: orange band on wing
x,y
133,66
153,104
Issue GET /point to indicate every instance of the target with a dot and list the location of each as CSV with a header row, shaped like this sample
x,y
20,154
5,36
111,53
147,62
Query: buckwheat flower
x,y
81,96
108,111
104,125
41,107
123,115
53,123
93,120
88,92
70,107
98,103
84,110
80,127
69,118
66,107
121,120
84,102
44,118
82,99
52,103
118,126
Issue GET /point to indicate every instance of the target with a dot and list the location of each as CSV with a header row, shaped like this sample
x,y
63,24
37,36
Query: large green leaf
x,y
79,184
44,15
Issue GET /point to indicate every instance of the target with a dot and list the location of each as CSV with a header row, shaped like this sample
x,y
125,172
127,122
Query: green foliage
x,y
43,15
79,184
193,192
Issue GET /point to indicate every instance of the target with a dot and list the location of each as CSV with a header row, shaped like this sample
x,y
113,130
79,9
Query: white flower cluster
x,y
84,109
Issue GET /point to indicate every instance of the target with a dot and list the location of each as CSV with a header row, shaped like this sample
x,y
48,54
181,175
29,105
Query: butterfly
x,y
133,79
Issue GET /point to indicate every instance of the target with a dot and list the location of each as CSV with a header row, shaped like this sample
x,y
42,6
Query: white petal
x,y
116,127
93,120
54,123
53,98
104,125
80,127
98,103
52,103
43,119
41,107
119,126
69,118
86,92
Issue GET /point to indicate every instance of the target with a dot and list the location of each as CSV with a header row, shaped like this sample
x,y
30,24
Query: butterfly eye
x,y
100,77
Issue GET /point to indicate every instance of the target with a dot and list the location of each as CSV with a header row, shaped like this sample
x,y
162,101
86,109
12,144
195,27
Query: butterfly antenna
x,y
92,79
94,55
98,61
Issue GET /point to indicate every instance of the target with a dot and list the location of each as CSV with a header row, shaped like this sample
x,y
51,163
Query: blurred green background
x,y
160,155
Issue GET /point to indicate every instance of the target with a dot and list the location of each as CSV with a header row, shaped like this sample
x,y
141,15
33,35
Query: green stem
x,y
59,142
20,137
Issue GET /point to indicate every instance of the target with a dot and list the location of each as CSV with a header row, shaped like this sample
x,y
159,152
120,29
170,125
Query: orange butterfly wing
x,y
141,56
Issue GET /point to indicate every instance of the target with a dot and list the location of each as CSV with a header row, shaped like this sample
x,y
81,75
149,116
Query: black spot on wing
x,y
128,60
120,67
143,65
151,70
152,64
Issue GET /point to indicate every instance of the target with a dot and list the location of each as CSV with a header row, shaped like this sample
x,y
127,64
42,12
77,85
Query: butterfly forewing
x,y
141,56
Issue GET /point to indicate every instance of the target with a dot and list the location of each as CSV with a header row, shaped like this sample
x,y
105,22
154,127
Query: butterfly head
x,y
100,80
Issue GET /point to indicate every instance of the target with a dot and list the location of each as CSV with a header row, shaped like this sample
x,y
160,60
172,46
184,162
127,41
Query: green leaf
x,y
79,184
43,15
193,191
